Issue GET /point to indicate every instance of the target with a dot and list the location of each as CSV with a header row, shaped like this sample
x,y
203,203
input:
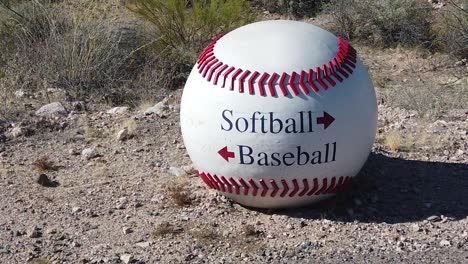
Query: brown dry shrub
x,y
44,164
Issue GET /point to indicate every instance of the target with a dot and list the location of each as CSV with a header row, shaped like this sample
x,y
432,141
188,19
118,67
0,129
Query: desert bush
x,y
87,57
293,8
186,27
383,22
451,28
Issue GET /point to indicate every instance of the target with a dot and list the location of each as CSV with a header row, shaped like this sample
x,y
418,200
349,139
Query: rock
x,y
44,180
18,132
73,152
434,218
178,172
459,152
52,109
76,209
415,228
161,109
189,169
21,93
117,110
89,153
122,134
143,244
79,106
445,243
126,258
35,232
4,250
127,230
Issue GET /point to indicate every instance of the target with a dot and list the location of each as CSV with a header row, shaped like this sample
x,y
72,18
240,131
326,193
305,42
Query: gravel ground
x,y
123,203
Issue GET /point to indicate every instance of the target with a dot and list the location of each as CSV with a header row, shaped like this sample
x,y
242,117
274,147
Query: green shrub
x,y
87,57
186,27
384,22
451,28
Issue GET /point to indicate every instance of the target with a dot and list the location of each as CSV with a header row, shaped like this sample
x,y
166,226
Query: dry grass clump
x,y
393,140
180,195
293,8
385,22
451,28
44,164
131,126
249,230
164,229
40,261
205,235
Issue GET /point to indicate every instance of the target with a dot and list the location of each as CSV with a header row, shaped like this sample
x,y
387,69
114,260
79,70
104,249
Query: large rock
x,y
89,153
52,109
117,110
161,109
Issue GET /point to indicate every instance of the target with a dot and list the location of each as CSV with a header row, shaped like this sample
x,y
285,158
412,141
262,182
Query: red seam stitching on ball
x,y
254,187
234,76
236,186
312,191
311,82
285,188
241,80
302,84
225,66
244,184
251,79
220,183
231,69
296,188
343,63
281,84
275,188
292,78
270,84
261,86
264,186
215,67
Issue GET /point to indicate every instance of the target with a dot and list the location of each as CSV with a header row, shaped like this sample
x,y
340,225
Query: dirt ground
x,y
138,200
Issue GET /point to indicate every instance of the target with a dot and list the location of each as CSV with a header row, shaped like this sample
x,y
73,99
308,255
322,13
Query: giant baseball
x,y
278,114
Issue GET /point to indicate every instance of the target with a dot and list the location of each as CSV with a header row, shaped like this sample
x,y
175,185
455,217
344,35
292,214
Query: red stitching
x,y
208,66
339,67
270,84
302,84
319,78
296,188
254,187
219,73
251,79
311,83
306,187
246,187
285,188
226,74
261,86
327,76
236,73
275,188
215,67
291,83
264,186
241,80
290,188
236,186
281,84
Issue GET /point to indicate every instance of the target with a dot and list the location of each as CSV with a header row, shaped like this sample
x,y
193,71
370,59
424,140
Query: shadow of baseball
x,y
395,190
